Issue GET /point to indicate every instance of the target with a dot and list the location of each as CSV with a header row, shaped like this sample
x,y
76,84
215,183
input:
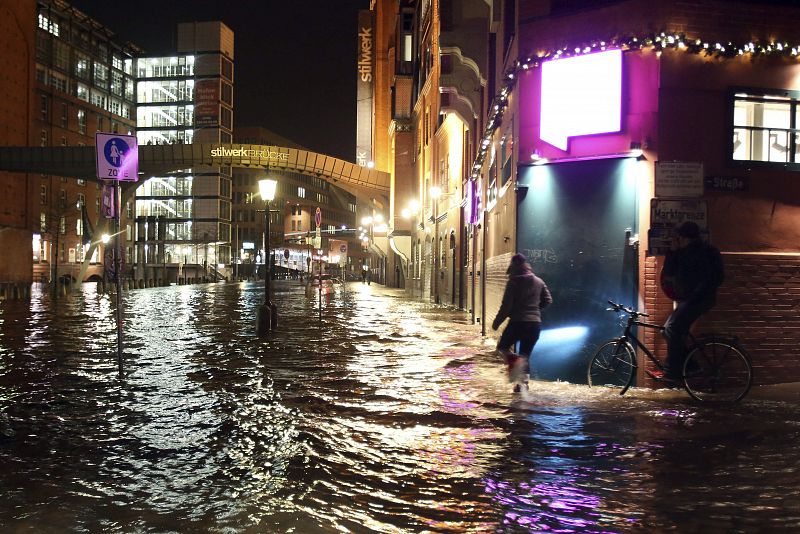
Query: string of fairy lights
x,y
658,42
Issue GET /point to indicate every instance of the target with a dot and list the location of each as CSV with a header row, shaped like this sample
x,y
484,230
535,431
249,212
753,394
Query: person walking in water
x,y
525,296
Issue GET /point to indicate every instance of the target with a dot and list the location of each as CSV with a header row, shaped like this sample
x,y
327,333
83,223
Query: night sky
x,y
294,61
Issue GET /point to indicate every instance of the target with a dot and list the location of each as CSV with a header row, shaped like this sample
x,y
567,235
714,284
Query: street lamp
x,y
267,314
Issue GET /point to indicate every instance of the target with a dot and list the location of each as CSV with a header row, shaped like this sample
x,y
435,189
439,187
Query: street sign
x,y
286,253
318,217
117,157
679,179
107,204
343,248
668,213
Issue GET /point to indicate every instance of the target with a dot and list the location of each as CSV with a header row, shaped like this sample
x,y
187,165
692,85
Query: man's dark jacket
x,y
696,272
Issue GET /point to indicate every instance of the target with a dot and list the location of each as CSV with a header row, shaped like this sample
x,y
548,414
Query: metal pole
x,y
267,270
320,285
266,256
118,271
436,250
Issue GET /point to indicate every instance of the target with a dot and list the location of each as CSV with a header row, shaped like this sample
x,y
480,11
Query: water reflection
x,y
369,413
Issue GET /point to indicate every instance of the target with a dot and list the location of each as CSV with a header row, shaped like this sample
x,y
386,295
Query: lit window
x,y
301,192
765,128
48,25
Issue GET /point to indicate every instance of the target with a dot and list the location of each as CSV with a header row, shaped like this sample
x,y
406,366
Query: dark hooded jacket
x,y
696,271
525,296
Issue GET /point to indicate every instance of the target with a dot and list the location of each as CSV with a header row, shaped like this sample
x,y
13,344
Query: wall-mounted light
x,y
536,155
773,137
636,149
736,141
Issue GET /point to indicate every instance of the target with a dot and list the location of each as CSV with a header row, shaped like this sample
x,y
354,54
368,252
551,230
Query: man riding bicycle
x,y
691,274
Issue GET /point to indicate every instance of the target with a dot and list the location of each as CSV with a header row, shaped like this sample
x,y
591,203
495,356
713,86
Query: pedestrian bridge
x,y
163,160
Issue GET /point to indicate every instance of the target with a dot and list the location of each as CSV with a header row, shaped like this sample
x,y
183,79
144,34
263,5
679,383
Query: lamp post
x,y
267,314
436,193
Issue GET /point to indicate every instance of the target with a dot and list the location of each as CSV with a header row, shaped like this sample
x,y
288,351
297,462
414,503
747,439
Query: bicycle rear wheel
x,y
612,365
717,371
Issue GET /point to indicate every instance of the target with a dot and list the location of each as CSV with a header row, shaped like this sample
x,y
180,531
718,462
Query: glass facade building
x,y
183,220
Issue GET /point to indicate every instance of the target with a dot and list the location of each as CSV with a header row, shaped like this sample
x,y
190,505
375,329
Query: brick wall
x,y
759,302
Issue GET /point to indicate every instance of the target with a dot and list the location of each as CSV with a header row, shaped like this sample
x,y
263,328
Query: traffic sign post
x,y
318,234
117,158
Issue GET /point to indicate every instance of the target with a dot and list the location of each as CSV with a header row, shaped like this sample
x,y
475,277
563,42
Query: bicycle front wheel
x,y
717,371
613,365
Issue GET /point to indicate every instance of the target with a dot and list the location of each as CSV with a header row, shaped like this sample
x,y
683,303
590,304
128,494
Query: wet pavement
x,y
371,413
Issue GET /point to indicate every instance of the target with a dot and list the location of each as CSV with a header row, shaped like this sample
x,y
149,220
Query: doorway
x,y
577,224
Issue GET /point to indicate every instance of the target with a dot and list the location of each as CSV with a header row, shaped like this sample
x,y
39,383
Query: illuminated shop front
x,y
618,141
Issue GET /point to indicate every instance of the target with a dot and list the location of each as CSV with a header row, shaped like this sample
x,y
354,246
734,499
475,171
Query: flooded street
x,y
385,415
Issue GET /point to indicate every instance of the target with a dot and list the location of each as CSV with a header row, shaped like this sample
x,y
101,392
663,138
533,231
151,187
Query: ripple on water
x,y
388,415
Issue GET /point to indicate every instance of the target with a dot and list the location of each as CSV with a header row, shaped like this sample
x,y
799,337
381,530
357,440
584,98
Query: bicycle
x,y
716,368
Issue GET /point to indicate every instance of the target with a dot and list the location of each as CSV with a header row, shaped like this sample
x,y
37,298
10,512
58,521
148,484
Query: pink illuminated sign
x,y
581,96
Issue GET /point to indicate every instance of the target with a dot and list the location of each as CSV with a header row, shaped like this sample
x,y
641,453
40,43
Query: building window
x,y
48,25
116,83
42,222
64,115
43,195
82,92
301,192
43,107
58,83
62,225
227,93
81,121
62,199
765,127
226,118
100,75
227,68
81,66
43,138
61,56
99,99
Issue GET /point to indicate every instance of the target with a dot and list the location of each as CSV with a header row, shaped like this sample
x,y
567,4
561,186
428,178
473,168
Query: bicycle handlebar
x,y
630,311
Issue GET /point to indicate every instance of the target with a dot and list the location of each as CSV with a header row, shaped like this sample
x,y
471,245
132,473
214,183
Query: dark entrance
x,y
576,224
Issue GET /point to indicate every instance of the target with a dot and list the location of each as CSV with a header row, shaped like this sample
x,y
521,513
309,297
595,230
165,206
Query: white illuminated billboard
x,y
581,96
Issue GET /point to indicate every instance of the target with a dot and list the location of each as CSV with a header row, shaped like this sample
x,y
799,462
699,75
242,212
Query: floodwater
x,y
374,414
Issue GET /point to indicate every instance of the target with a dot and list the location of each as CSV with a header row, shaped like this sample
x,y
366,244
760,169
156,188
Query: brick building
x,y
590,196
579,133
17,39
